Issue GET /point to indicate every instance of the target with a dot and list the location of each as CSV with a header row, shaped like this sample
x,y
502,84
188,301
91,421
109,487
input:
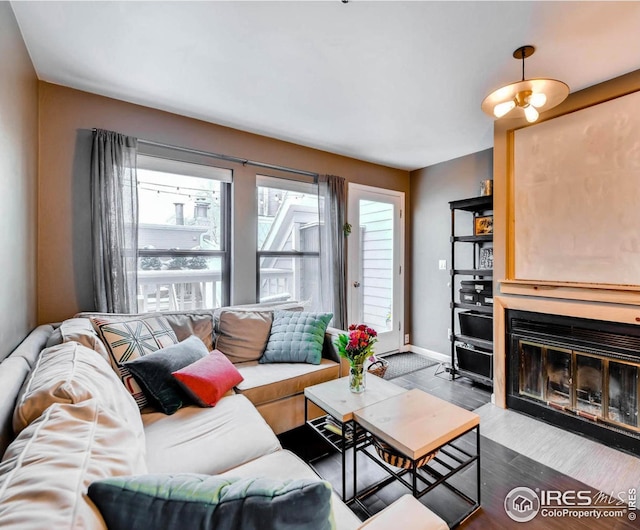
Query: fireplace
x,y
579,374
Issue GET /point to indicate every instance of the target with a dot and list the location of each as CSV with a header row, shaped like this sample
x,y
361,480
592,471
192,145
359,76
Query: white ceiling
x,y
397,83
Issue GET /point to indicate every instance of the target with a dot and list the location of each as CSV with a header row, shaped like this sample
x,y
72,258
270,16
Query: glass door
x,y
375,263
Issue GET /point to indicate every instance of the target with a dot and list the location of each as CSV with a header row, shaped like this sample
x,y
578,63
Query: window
x,y
183,235
288,242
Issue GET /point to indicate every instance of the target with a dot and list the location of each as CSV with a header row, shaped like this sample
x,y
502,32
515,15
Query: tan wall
x,y
18,184
590,302
66,119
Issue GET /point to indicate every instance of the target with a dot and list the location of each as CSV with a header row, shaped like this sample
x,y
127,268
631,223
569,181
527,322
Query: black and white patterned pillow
x,y
130,339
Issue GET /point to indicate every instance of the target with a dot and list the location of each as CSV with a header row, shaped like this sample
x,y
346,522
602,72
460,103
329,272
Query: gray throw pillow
x,y
175,502
154,373
296,337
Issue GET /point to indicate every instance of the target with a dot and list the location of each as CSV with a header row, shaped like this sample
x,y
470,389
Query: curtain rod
x,y
228,158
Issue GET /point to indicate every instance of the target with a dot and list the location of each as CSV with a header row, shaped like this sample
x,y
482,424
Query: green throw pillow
x,y
296,337
206,502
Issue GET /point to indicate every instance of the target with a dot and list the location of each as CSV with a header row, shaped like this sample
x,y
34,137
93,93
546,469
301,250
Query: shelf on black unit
x,y
487,309
481,343
474,204
473,272
474,376
473,239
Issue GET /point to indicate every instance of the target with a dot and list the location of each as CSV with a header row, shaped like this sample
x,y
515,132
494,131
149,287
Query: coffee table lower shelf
x,y
449,460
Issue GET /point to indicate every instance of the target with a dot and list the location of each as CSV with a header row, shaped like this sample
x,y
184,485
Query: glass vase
x,y
357,378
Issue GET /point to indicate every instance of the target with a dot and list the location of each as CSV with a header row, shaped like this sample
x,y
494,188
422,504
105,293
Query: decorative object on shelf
x,y
396,459
527,97
483,225
486,187
356,347
486,258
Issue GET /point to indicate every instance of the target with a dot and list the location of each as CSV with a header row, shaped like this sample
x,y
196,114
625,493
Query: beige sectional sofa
x,y
67,420
276,390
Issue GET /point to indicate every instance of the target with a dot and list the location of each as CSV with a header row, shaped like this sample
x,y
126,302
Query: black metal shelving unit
x,y
477,206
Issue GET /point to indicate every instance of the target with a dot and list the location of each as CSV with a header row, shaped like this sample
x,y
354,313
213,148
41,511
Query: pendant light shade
x,y
527,97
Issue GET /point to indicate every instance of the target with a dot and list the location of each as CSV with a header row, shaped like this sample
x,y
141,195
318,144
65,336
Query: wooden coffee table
x,y
335,398
416,424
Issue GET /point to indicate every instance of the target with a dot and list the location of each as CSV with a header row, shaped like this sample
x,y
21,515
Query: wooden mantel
x,y
628,294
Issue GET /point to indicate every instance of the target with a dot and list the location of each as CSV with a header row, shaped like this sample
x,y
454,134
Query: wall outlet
x,y
407,338
449,334
442,264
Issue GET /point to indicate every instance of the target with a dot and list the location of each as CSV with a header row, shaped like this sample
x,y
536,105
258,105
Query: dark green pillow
x,y
154,373
296,337
206,502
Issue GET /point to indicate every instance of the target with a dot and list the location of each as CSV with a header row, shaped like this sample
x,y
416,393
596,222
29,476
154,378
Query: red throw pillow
x,y
209,378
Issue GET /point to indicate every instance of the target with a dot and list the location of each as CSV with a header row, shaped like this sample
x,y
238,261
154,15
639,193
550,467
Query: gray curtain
x,y
114,221
332,196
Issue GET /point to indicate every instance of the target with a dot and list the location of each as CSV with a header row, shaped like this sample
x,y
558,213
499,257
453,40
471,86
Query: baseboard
x,y
436,356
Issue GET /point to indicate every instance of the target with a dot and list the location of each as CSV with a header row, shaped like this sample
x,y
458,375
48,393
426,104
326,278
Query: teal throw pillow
x,y
210,502
296,337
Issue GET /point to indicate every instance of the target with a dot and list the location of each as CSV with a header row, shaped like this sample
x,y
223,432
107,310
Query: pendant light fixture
x,y
527,97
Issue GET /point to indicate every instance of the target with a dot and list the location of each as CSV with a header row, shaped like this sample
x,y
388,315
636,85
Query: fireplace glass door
x,y
589,376
531,363
589,385
559,380
623,393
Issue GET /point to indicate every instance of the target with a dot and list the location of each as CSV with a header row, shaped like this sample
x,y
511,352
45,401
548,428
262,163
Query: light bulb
x,y
502,108
531,113
537,100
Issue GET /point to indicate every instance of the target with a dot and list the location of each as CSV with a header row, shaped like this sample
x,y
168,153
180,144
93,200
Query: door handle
x,y
356,284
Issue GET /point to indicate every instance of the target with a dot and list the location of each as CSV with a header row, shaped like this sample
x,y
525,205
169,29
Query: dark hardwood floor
x,y
501,469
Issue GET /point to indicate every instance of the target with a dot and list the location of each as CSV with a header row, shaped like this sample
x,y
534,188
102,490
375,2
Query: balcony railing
x,y
188,289
178,290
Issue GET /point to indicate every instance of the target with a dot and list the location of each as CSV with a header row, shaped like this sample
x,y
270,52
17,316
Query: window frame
x,y
289,184
175,165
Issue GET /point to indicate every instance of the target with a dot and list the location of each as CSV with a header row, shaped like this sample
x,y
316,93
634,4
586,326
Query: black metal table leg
x,y
479,482
344,463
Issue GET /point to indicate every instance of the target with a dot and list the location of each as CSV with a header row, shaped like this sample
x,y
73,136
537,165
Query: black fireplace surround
x,y
578,374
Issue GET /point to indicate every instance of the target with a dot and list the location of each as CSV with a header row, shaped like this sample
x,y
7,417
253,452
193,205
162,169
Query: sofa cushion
x,y
243,335
165,502
154,372
129,339
72,373
80,330
212,440
198,323
46,471
296,337
269,382
284,465
208,379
